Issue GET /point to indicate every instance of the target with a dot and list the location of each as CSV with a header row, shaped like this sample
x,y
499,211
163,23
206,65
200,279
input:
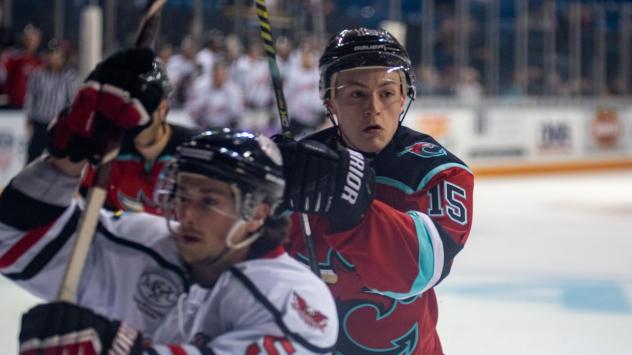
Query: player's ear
x,y
261,213
330,107
163,108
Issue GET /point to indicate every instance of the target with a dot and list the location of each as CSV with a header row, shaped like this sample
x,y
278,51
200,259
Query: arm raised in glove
x,y
115,96
338,184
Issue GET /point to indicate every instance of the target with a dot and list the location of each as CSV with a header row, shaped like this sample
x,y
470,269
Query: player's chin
x,y
188,254
373,143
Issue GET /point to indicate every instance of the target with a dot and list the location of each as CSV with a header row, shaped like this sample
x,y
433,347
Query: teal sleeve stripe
x,y
394,183
134,157
439,169
128,157
426,262
165,157
407,189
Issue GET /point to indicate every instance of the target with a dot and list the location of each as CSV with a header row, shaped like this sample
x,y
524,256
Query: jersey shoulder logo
x,y
424,150
309,315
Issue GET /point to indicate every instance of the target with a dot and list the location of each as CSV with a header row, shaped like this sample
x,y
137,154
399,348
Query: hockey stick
x,y
97,192
277,85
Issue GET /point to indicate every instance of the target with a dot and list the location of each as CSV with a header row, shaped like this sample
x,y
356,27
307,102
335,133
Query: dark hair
x,y
275,232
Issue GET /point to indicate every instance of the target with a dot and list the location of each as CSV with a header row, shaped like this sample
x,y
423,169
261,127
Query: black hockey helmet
x,y
363,47
251,163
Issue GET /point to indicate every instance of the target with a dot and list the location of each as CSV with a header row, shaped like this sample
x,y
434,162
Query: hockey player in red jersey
x,y
213,279
144,153
389,207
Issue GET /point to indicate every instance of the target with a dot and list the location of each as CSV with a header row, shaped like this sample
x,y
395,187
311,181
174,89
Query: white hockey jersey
x,y
269,305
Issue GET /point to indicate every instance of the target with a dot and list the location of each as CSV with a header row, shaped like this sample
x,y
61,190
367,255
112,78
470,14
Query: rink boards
x,y
495,137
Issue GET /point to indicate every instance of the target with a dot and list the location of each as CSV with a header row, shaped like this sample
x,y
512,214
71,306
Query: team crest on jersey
x,y
157,290
309,315
425,150
135,204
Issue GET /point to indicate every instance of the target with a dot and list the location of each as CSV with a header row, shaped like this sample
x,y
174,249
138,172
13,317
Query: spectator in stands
x,y
182,70
429,82
164,52
306,109
216,101
19,66
234,48
49,90
212,50
468,88
284,49
252,74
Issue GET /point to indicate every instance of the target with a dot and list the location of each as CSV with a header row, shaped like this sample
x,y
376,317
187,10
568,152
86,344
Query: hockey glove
x,y
64,328
337,184
115,96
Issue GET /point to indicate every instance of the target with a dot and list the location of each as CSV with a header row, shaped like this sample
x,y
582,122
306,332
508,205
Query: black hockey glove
x,y
337,184
115,96
64,328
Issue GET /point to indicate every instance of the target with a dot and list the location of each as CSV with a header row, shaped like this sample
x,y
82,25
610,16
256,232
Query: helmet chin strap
x,y
230,246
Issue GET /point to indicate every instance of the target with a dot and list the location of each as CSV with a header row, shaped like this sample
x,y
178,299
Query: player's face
x,y
206,211
367,103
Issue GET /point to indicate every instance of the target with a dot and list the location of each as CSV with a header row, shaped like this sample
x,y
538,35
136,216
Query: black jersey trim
x,y
39,213
150,252
50,250
450,250
278,317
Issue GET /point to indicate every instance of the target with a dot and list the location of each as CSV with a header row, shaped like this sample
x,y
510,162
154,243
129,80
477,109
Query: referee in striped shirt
x,y
49,90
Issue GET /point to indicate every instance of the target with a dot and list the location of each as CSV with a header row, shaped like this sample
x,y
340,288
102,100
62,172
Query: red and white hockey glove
x,y
115,96
63,328
338,184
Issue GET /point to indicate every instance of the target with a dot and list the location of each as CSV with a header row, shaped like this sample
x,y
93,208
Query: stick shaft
x,y
277,82
277,85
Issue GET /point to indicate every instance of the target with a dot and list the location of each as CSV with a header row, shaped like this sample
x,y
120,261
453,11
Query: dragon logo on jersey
x,y
157,290
309,315
136,204
424,150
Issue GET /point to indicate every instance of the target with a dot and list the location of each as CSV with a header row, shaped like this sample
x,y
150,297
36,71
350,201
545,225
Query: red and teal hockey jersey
x,y
133,178
382,272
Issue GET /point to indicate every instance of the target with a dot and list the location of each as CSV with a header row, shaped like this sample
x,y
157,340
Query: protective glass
x,y
354,87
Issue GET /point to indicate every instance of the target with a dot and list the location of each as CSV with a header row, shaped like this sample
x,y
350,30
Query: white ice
x,y
547,270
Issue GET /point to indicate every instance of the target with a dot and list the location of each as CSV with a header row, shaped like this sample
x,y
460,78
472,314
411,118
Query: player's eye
x,y
357,94
388,93
209,202
181,198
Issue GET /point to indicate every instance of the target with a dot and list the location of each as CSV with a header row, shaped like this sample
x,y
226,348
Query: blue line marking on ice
x,y
574,295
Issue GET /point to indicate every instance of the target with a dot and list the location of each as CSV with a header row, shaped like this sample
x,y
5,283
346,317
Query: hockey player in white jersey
x,y
213,279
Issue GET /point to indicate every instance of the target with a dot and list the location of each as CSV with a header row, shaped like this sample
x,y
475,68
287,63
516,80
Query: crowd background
x,y
463,49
